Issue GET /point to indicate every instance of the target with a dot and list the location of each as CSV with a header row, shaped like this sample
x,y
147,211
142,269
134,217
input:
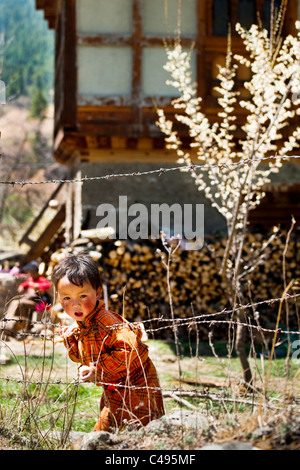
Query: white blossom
x,y
234,174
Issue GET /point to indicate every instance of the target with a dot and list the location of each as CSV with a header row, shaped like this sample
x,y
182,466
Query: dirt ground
x,y
5,444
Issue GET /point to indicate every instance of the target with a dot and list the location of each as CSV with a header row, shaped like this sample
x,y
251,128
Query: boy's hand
x,y
65,330
87,374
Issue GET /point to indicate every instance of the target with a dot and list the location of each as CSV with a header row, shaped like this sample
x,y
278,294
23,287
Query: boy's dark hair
x,y
78,269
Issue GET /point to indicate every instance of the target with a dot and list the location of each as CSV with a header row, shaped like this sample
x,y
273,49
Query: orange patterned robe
x,y
122,365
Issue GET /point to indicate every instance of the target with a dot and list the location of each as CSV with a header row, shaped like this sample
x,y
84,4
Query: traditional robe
x,y
113,348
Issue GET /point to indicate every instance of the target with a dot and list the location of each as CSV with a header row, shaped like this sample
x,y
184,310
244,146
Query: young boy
x,y
108,347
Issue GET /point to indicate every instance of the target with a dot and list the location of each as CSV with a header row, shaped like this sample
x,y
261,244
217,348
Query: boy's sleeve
x,y
123,353
71,343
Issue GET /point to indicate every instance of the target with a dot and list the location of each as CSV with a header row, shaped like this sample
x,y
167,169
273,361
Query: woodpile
x,y
135,277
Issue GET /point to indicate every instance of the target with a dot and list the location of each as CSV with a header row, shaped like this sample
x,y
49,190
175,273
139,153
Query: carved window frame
x,y
137,41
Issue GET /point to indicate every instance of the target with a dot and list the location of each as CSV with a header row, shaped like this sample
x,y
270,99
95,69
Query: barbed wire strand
x,y
167,392
158,171
181,322
186,321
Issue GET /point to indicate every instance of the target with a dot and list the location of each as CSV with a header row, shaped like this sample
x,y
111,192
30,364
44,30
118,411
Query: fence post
x,y
4,359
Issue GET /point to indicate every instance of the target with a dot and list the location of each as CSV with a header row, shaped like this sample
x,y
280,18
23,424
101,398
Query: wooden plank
x,y
104,40
77,215
45,238
200,47
25,238
50,9
291,17
127,155
70,69
136,116
69,214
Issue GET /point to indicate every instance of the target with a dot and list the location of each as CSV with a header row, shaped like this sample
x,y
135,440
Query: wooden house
x,y
109,78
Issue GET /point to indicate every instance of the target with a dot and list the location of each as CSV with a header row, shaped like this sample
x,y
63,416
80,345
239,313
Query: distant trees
x,y
26,69
39,102
26,51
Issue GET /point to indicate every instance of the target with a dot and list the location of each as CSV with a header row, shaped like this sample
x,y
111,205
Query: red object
x,y
111,387
43,283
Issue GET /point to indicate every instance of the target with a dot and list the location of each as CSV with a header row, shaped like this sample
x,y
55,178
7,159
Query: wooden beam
x,y
136,115
202,31
103,40
50,9
77,215
156,156
45,238
25,238
70,67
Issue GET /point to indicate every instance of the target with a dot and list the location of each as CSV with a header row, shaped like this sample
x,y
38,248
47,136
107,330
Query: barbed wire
x,y
158,171
207,318
191,323
167,392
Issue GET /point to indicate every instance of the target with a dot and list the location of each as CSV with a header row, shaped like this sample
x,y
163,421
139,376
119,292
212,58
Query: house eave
x,y
50,10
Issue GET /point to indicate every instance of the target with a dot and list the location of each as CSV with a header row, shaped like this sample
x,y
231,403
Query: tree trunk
x,y
240,347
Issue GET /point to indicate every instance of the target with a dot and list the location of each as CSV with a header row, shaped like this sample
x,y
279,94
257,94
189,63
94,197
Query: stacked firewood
x,y
136,282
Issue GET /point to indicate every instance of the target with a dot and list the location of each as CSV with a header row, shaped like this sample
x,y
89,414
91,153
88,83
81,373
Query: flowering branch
x,y
274,84
273,104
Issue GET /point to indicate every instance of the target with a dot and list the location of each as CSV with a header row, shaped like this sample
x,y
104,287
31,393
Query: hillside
x,y
26,155
26,117
27,50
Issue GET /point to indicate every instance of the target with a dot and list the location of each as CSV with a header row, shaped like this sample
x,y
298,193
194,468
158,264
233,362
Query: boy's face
x,y
77,301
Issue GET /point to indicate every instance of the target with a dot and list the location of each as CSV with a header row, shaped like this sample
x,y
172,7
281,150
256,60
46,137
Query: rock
x,y
96,440
261,432
229,446
75,435
4,358
79,440
186,418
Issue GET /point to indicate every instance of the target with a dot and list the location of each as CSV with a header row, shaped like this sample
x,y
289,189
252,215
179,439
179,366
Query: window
x,y
162,18
120,48
221,17
104,65
266,18
154,76
221,14
246,13
242,11
104,16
